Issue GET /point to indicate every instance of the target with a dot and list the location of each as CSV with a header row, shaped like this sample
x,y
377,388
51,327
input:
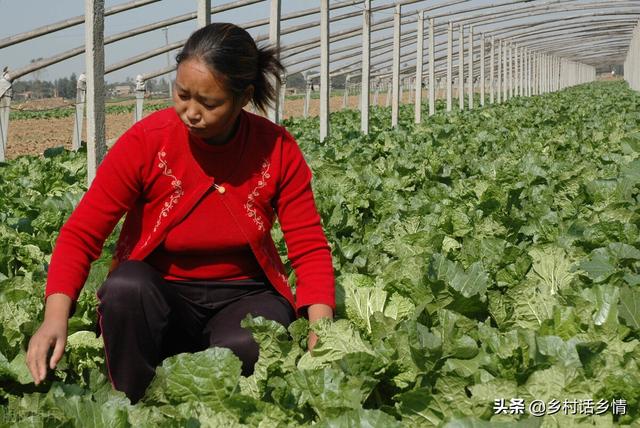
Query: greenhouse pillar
x,y
461,67
282,93
273,112
324,69
509,71
516,66
470,78
521,73
6,92
482,65
395,101
450,66
492,71
345,93
376,92
499,75
204,13
505,75
307,97
141,88
365,92
389,93
546,74
419,63
528,72
541,68
78,121
94,63
432,68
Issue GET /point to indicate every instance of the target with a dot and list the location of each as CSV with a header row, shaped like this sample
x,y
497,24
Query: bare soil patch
x,y
34,136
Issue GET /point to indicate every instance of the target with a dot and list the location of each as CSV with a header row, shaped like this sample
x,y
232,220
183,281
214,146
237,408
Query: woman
x,y
200,184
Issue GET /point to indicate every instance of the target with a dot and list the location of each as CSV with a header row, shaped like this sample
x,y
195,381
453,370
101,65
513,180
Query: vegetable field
x,y
482,257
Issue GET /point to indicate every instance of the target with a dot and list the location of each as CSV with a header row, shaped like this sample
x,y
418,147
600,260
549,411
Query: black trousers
x,y
144,319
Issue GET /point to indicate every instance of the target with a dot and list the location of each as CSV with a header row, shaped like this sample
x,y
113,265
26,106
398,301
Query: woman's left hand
x,y
316,312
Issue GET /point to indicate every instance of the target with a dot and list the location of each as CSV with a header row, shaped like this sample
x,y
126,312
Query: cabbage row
x,y
484,259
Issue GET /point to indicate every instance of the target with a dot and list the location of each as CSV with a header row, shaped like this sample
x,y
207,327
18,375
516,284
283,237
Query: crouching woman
x,y
201,184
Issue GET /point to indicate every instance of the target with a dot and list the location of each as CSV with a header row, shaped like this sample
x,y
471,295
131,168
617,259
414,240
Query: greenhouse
x,y
476,173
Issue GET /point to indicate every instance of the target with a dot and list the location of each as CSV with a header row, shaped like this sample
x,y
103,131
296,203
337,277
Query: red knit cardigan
x,y
151,175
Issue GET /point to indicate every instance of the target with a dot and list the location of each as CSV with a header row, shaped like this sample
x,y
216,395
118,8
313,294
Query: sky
x,y
17,16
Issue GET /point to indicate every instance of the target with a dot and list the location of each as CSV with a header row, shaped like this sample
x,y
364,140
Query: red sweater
x,y
154,174
222,253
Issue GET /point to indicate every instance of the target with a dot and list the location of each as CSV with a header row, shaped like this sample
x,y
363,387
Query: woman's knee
x,y
242,343
127,281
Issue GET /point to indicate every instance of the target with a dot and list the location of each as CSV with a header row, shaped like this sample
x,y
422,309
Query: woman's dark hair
x,y
230,52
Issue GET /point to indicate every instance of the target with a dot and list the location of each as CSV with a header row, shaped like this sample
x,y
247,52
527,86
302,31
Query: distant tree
x,y
37,75
296,81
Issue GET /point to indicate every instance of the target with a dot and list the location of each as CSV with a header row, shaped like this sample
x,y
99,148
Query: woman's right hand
x,y
52,333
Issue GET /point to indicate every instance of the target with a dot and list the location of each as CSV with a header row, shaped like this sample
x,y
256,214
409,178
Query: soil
x,y
34,136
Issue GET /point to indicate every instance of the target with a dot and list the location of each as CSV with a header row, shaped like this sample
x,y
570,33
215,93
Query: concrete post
x,y
282,94
365,92
78,122
307,97
389,93
376,92
450,66
94,63
482,68
141,88
6,93
461,67
417,110
470,81
499,75
324,69
432,68
345,93
204,13
492,75
273,113
395,102
505,73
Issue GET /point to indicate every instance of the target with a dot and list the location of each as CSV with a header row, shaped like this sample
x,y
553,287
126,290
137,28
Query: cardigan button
x,y
221,189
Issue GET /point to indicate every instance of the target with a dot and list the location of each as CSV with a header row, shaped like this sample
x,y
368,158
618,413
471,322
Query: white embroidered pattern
x,y
173,198
251,199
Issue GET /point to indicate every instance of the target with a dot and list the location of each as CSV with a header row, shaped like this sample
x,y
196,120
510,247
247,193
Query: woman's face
x,y
205,105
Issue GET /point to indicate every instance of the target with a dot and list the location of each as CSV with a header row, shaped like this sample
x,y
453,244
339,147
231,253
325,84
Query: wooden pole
x,y
450,66
274,40
365,92
395,100
324,69
432,68
94,63
419,55
204,13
